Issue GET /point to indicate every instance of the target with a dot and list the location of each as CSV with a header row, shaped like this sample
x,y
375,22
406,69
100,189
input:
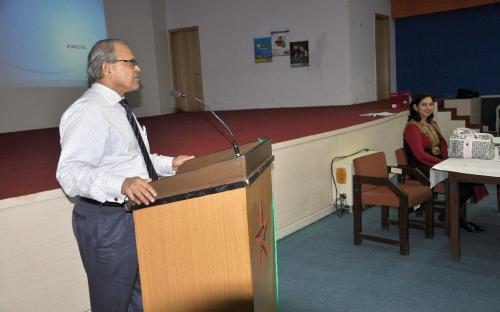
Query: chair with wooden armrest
x,y
441,188
372,187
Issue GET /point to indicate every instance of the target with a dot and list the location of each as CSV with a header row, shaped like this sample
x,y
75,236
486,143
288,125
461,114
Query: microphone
x,y
179,94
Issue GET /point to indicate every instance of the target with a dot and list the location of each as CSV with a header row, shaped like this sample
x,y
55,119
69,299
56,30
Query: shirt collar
x,y
109,94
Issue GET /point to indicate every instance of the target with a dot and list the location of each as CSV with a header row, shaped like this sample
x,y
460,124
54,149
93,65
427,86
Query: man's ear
x,y
105,69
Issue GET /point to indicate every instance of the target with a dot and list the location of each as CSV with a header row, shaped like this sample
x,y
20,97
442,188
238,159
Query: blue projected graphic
x,y
45,43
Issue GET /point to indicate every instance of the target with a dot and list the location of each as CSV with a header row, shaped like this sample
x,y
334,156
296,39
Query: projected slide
x,y
45,43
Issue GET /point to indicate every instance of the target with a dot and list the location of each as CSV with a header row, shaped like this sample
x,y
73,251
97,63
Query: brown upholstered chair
x,y
372,187
440,189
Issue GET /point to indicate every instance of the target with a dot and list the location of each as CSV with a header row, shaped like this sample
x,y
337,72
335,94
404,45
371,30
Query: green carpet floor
x,y
320,269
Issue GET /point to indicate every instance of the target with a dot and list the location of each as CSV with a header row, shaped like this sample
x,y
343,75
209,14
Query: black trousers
x,y
106,240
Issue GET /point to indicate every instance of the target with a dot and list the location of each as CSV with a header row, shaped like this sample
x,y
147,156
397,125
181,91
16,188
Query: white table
x,y
457,171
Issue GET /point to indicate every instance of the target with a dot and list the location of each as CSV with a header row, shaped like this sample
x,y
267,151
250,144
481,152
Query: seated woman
x,y
425,147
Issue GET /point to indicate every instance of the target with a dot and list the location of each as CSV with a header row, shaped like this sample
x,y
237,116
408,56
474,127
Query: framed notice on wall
x,y
299,53
262,50
280,42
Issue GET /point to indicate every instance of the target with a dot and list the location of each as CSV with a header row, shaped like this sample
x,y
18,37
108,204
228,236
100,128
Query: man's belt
x,y
98,203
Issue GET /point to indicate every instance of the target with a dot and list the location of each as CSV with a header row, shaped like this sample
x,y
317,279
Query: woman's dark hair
x,y
414,115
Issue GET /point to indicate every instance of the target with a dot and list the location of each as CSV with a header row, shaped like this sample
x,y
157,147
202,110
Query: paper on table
x,y
380,114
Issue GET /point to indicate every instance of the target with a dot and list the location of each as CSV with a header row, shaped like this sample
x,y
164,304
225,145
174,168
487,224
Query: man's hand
x,y
139,190
179,160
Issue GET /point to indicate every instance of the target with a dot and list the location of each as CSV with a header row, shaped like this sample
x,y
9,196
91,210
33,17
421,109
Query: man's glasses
x,y
130,63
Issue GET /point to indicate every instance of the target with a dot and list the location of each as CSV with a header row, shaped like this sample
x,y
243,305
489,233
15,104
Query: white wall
x,y
142,24
23,108
362,47
164,81
342,53
341,43
144,29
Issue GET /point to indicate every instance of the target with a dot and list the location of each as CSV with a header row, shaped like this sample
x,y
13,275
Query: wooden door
x,y
382,48
186,66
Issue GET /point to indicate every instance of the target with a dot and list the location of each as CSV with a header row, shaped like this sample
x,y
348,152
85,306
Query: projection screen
x,y
45,43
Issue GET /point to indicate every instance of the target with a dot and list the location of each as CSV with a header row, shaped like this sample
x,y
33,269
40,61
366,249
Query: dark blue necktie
x,y
130,116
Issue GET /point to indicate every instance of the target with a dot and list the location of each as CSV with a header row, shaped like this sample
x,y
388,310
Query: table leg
x,y
454,209
498,197
446,209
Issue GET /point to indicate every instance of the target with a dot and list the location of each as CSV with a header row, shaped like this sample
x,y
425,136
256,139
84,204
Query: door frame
x,y
383,62
174,68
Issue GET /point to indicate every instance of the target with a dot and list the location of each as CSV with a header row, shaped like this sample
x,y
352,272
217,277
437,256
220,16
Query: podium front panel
x,y
194,254
205,251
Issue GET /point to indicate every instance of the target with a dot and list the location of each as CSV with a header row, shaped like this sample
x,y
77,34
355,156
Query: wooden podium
x,y
208,243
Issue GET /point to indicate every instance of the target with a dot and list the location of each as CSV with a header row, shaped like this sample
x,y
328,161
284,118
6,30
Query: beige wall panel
x,y
301,180
40,266
301,172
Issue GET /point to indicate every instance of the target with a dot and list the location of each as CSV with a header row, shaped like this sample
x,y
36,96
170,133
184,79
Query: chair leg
x,y
357,211
446,210
385,217
404,246
429,218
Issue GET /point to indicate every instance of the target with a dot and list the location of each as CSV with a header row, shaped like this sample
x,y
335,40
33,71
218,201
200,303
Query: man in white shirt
x,y
102,163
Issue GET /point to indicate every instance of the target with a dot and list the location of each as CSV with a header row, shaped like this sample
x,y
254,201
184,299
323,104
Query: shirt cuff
x,y
114,185
164,165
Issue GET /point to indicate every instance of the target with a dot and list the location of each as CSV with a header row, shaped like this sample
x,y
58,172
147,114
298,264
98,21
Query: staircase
x,y
450,118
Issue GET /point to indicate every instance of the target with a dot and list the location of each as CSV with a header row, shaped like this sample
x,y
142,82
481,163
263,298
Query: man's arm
x,y
83,143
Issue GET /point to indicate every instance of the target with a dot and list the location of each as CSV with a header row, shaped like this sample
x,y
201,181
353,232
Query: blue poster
x,y
263,50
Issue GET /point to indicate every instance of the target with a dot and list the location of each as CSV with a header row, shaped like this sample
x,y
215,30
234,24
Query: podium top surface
x,y
213,173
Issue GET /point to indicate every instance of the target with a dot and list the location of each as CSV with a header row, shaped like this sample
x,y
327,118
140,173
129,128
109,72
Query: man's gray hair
x,y
102,51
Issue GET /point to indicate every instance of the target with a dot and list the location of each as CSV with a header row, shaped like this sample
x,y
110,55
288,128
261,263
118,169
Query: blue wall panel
x,y
442,52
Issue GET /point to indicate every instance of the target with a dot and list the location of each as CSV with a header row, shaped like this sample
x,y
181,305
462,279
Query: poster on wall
x,y
262,49
299,53
280,42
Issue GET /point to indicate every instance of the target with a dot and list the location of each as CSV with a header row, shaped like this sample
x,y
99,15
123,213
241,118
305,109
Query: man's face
x,y
123,74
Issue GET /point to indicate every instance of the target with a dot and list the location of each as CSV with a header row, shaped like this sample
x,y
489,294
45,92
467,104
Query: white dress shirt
x,y
99,149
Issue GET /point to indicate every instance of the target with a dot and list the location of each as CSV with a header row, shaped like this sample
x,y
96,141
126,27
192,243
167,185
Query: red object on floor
x,y
28,159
